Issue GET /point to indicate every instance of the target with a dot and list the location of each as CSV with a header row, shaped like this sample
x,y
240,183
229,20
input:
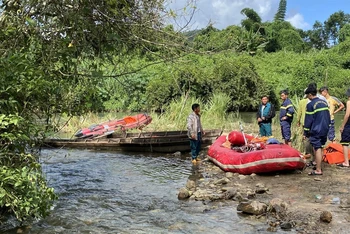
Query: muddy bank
x,y
281,201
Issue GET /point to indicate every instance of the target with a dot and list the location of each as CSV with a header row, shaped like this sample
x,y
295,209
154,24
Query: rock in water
x,y
183,194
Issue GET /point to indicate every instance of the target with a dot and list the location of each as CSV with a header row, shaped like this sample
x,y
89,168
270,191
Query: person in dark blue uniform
x,y
316,125
286,117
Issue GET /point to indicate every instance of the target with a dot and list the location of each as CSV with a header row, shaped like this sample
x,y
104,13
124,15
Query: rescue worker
x,y
286,117
316,125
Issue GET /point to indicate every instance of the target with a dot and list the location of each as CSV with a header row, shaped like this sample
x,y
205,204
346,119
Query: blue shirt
x,y
317,118
287,109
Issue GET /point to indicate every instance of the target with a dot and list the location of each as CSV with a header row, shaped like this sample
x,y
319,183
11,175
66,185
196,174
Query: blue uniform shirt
x,y
317,118
287,109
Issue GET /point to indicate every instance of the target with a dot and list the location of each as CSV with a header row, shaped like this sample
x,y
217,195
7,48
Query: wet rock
x,y
229,194
200,194
183,194
261,190
271,229
177,154
222,181
238,197
254,207
191,185
326,217
250,194
286,226
224,189
214,197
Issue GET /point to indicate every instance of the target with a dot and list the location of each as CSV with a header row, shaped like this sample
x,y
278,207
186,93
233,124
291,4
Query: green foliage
x,y
290,40
253,20
23,192
344,33
318,37
281,12
334,24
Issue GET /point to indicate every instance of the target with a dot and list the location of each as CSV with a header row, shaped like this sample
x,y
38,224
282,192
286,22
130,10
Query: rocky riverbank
x,y
283,201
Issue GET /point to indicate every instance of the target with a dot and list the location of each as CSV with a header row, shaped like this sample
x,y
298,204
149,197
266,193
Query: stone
x,y
271,229
229,174
261,190
190,184
238,197
222,181
260,185
183,194
254,207
242,177
278,202
286,225
326,216
229,194
177,154
250,194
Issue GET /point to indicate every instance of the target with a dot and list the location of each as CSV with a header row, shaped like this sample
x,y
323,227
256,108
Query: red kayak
x,y
128,122
263,158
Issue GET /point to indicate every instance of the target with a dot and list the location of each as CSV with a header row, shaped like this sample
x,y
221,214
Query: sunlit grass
x,y
213,115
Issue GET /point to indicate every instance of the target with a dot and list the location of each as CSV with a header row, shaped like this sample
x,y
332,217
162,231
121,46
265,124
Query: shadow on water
x,y
109,192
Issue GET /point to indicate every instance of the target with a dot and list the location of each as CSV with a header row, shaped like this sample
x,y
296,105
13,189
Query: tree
x,y
52,59
318,37
281,12
334,24
253,20
344,33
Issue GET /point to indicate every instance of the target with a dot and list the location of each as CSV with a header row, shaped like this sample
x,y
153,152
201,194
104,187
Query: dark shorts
x,y
285,130
318,142
345,136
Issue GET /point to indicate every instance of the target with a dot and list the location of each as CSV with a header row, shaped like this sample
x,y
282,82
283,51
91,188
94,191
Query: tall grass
x,y
213,115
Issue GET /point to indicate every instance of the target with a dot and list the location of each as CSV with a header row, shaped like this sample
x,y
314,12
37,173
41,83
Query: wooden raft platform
x,y
163,142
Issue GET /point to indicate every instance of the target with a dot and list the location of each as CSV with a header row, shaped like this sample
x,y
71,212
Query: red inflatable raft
x,y
269,158
128,122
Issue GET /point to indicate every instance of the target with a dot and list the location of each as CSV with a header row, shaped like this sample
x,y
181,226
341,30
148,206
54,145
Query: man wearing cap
x,y
345,132
286,117
316,125
334,107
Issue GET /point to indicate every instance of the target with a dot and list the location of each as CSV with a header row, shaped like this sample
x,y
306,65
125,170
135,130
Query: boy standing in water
x,y
195,131
286,117
264,116
345,132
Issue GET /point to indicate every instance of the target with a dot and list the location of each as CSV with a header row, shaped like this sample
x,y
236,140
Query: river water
x,y
110,192
113,192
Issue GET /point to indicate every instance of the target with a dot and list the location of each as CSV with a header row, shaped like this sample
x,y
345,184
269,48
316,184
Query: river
x,y
111,192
